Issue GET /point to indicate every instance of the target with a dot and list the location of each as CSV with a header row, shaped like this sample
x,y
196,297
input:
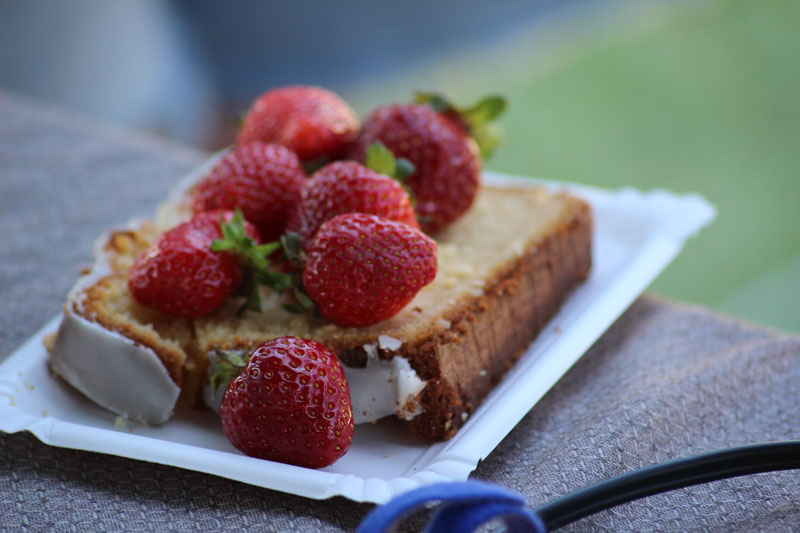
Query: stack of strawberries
x,y
349,242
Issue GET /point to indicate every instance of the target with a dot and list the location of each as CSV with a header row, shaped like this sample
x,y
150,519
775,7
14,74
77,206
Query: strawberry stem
x,y
478,118
292,244
229,364
293,250
309,167
253,257
380,159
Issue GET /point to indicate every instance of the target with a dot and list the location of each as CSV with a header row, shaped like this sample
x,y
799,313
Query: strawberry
x,y
435,137
313,122
263,180
179,274
448,167
290,404
361,269
349,187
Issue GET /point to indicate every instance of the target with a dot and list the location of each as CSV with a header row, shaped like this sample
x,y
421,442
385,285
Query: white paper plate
x,y
635,236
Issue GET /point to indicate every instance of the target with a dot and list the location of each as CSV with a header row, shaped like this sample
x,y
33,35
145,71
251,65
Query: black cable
x,y
712,466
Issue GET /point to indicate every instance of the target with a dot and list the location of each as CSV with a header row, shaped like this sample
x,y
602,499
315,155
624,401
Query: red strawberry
x,y
179,274
446,160
313,122
290,404
348,187
263,180
444,143
362,269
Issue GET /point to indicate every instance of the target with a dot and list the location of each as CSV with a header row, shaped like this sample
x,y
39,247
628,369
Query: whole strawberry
x,y
313,122
179,274
349,187
446,160
435,137
290,404
361,269
263,180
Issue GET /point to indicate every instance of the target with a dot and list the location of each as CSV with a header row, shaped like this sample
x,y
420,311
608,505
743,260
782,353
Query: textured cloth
x,y
666,381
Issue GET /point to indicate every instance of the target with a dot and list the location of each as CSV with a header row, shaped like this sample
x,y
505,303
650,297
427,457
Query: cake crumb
x,y
443,323
557,330
48,341
389,343
12,401
28,385
447,251
448,283
120,422
328,328
44,413
386,456
372,350
463,270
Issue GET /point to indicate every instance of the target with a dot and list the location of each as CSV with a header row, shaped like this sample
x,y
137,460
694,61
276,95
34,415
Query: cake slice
x,y
504,269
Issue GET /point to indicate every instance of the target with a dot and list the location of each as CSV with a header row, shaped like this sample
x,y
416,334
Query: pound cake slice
x,y
504,269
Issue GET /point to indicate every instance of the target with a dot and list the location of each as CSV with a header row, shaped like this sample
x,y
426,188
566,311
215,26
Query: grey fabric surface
x,y
666,381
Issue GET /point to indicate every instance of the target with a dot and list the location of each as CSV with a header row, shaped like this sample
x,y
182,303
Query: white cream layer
x,y
113,371
129,379
383,388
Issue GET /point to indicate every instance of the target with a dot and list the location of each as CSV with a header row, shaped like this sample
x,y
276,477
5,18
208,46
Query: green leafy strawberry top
x,y
479,118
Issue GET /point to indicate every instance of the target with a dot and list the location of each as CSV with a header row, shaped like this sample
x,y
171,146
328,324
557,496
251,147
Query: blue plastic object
x,y
464,507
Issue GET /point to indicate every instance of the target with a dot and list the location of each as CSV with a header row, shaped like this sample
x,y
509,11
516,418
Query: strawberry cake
x,y
423,284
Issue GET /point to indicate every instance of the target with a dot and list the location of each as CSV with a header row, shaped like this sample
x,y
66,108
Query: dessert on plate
x,y
425,284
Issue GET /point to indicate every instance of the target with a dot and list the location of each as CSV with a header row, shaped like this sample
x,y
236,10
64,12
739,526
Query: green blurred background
x,y
697,96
